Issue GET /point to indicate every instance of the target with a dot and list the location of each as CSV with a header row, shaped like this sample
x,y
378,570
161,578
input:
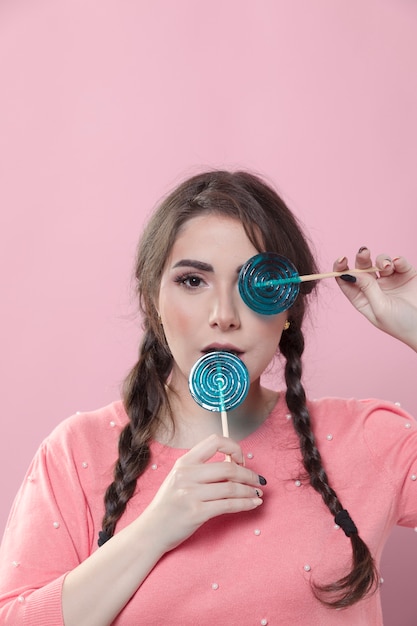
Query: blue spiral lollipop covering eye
x,y
219,381
269,283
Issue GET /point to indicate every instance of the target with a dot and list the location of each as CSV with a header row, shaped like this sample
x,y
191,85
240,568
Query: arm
x,y
389,301
95,590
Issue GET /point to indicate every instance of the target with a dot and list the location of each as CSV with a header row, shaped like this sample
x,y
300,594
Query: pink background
x,y
105,105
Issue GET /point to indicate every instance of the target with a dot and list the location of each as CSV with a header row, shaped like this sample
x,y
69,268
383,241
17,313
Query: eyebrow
x,y
198,265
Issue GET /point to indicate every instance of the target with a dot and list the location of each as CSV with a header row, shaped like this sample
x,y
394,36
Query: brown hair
x,y
270,226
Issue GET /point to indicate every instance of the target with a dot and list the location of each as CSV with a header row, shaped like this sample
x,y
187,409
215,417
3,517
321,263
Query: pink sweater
x,y
248,568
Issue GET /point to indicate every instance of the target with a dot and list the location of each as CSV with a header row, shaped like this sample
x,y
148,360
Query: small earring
x,y
287,325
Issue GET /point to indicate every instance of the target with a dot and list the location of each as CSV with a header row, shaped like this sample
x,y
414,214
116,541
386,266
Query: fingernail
x,y
262,480
362,249
348,278
341,259
259,493
386,263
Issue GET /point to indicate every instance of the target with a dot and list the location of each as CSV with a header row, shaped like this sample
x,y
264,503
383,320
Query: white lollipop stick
x,y
307,277
223,415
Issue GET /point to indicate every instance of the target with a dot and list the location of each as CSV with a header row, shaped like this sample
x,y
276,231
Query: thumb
x,y
369,298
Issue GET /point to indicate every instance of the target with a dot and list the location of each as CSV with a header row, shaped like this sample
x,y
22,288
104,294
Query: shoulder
x,y
112,415
376,442
378,431
88,433
376,423
348,413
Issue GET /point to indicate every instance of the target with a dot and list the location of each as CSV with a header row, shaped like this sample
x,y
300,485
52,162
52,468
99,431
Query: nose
x,y
224,312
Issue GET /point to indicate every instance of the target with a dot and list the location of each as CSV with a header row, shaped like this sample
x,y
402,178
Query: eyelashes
x,y
189,280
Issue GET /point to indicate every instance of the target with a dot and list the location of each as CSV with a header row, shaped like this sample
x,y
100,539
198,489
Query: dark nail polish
x,y
262,480
362,249
348,278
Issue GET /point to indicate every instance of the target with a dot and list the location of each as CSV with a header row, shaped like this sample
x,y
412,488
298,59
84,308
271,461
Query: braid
x,y
144,396
269,225
363,576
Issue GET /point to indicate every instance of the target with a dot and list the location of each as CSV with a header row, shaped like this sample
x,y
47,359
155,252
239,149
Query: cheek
x,y
269,328
177,321
267,334
267,348
175,315
268,338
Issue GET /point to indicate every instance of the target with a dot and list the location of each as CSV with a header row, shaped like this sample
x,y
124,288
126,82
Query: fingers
x,y
217,507
222,488
363,258
384,262
362,288
205,473
386,297
218,486
196,491
211,473
207,448
401,265
368,291
228,490
398,265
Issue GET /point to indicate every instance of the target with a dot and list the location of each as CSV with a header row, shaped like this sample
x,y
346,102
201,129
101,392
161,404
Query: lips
x,y
216,347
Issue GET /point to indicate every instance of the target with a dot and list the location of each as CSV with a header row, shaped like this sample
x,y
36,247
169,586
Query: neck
x,y
191,423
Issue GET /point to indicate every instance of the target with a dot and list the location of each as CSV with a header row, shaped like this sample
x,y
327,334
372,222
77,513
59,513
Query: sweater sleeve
x,y
47,535
391,436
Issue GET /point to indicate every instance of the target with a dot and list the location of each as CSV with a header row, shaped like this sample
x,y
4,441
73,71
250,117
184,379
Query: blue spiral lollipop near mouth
x,y
219,381
269,283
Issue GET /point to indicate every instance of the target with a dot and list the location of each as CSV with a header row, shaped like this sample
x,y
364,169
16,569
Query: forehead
x,y
212,234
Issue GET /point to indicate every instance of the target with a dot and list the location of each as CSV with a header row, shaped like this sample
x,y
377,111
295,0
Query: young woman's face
x,y
199,301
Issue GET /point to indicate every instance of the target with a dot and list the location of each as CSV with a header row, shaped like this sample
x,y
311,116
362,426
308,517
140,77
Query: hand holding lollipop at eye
x,y
384,292
388,301
269,283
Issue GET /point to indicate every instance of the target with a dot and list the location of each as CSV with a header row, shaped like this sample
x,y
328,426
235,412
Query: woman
x,y
184,537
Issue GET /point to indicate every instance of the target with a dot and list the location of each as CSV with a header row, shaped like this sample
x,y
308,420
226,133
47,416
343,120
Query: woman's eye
x,y
193,281
189,281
